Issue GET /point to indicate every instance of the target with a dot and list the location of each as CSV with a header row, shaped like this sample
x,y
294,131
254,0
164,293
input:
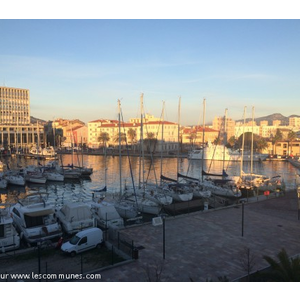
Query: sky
x,y
78,68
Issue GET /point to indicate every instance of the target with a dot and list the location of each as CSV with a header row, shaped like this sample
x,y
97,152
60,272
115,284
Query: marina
x,y
82,189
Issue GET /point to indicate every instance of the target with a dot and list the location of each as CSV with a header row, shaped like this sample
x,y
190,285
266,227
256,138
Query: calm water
x,y
82,190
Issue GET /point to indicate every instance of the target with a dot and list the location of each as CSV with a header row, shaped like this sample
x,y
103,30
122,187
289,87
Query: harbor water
x,y
106,172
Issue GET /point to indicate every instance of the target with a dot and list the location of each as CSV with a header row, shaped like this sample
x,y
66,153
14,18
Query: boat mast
x,y
162,141
203,132
120,163
178,136
243,143
142,141
224,138
252,141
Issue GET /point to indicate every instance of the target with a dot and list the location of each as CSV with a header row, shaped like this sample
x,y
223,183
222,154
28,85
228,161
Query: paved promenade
x,y
204,246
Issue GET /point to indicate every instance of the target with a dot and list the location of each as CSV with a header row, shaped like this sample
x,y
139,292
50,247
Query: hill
x,y
34,120
270,118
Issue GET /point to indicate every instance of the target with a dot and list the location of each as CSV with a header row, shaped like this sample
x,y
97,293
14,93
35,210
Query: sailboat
x,y
171,187
257,182
147,197
126,209
225,187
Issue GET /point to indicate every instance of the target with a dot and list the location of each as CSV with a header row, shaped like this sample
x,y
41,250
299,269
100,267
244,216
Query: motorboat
x,y
220,153
35,218
106,215
14,178
9,238
75,216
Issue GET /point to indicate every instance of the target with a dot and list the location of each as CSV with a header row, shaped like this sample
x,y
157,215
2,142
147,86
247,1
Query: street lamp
x,y
243,204
161,220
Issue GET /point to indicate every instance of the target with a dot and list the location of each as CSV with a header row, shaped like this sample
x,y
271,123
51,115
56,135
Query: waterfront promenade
x,y
206,245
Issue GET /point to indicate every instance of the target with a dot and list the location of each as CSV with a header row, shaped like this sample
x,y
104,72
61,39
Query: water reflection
x,y
82,189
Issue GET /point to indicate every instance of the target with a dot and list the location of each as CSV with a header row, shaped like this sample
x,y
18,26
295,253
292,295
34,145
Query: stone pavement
x,y
206,245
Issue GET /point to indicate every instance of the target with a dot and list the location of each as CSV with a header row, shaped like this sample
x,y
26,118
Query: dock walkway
x,y
206,245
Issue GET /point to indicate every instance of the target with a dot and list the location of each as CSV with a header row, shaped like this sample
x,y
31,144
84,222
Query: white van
x,y
84,240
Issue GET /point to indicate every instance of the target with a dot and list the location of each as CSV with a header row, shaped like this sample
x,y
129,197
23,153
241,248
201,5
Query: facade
x,y
219,124
294,122
74,132
248,127
164,132
194,135
15,127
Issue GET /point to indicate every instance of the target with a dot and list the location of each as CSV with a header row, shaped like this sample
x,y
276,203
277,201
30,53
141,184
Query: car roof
x,y
86,231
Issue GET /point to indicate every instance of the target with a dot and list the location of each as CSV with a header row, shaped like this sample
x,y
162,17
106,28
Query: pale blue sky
x,y
80,68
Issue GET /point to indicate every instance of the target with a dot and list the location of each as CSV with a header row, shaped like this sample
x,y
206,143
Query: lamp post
x,y
243,204
164,236
161,220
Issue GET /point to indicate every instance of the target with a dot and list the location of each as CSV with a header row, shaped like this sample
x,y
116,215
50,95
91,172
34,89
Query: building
x,y
194,135
294,122
219,124
248,127
163,133
15,127
74,132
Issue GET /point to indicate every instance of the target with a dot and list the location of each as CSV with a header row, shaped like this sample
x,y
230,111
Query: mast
x,y
178,136
224,137
203,132
120,163
162,141
252,141
142,170
243,143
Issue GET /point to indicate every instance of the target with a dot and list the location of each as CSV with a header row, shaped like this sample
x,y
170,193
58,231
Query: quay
x,y
209,245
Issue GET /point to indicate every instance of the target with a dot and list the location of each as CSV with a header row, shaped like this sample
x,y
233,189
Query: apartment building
x,y
74,132
194,135
294,122
15,127
164,132
219,124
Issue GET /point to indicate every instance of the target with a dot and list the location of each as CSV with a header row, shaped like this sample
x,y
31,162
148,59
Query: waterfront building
x,y
194,135
248,127
74,132
16,130
163,134
219,124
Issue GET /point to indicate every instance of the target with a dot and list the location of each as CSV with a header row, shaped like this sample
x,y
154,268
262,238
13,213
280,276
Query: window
x,y
2,230
83,240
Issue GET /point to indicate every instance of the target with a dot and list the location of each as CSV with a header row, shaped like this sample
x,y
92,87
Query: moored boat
x,y
34,217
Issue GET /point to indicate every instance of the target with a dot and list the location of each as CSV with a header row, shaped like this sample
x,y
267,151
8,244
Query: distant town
x,y
273,135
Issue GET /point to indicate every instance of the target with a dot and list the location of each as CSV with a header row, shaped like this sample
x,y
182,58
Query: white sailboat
x,y
224,188
126,209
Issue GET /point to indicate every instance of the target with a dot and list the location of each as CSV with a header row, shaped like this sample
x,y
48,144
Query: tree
x,y
104,138
217,141
276,139
192,137
122,138
292,136
284,270
131,133
150,141
261,144
231,142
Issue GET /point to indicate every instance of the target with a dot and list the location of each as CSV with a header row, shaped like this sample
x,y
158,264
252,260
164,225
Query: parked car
x,y
83,240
